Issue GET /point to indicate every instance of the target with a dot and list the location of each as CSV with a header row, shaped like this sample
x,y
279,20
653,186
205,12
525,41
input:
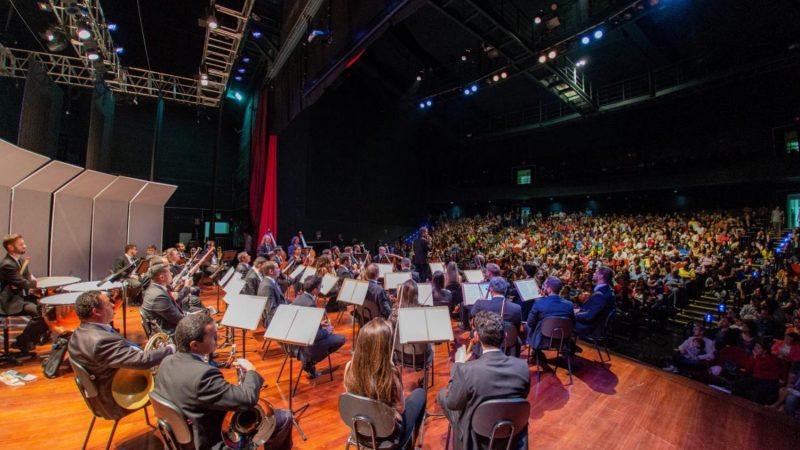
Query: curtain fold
x,y
263,173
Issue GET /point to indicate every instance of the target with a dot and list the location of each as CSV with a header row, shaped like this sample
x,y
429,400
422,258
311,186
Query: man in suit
x,y
16,279
344,270
160,305
497,302
381,257
326,342
552,305
492,376
253,277
126,259
201,392
594,310
405,266
421,247
268,287
244,264
376,301
102,351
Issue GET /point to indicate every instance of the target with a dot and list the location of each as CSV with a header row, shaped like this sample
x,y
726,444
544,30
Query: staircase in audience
x,y
697,309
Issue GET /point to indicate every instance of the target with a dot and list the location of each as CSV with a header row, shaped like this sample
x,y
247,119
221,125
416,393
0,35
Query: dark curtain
x,y
101,125
40,120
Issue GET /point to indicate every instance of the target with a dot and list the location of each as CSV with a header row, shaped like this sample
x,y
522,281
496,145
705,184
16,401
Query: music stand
x,y
353,292
294,326
528,289
473,276
383,269
472,292
243,312
436,267
215,277
393,279
122,275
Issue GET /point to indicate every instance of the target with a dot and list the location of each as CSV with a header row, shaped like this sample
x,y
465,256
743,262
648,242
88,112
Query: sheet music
x,y
234,286
227,277
306,274
424,324
472,293
435,266
384,269
281,322
353,291
393,279
297,271
244,311
293,324
528,289
425,294
473,276
328,282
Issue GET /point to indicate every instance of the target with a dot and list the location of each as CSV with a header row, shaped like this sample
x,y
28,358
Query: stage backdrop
x,y
146,222
23,163
110,223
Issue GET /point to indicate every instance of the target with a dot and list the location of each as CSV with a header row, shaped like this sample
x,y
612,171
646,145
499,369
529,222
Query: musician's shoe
x,y
312,372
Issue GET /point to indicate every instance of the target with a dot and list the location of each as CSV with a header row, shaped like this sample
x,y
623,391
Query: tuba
x,y
130,387
248,428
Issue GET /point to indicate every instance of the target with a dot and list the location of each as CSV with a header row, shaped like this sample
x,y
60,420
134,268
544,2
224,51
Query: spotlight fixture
x,y
504,74
419,77
212,22
238,96
598,34
237,78
241,70
245,60
474,88
552,54
44,6
203,79
428,103
542,58
537,20
581,63
586,40
111,26
315,34
496,78
256,34
92,55
422,105
50,35
84,33
466,91
119,50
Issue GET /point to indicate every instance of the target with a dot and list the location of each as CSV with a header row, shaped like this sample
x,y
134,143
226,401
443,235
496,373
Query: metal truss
x,y
222,43
73,71
92,16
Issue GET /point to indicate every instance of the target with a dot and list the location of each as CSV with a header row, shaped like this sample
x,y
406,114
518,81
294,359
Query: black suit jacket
x,y
376,301
203,395
251,282
13,284
269,288
421,249
102,353
120,263
550,306
493,375
159,307
594,311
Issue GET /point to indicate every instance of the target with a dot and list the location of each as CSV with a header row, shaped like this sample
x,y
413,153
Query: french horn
x,y
248,428
130,387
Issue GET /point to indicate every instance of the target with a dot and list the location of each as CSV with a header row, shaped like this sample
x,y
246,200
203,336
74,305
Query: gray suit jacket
x,y
13,284
203,395
160,308
493,375
251,281
269,288
102,353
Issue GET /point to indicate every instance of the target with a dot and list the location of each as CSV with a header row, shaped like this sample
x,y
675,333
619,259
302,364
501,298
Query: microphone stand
x,y
122,275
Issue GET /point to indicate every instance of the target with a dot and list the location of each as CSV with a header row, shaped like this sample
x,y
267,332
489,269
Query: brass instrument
x,y
219,254
130,387
248,428
24,265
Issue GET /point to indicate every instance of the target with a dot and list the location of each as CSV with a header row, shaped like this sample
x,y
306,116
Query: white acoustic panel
x,y
16,164
146,219
30,210
71,229
110,223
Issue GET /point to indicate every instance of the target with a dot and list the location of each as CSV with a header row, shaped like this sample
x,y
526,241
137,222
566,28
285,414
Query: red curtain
x,y
263,174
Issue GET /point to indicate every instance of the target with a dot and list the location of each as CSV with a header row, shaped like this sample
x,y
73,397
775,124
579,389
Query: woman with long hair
x,y
441,296
372,374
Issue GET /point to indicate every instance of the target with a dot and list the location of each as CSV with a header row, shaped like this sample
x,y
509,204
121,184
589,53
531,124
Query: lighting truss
x,y
92,15
73,71
222,43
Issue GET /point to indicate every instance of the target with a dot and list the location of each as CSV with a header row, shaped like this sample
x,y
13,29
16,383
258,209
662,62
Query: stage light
x,y
422,105
537,20
474,88
212,22
84,33
463,57
256,34
553,6
504,75
246,60
582,63
721,307
44,6
466,91
496,78
709,318
92,55
241,70
237,78
428,103
586,40
598,34
315,34
419,77
542,58
112,26
552,54
238,96
203,79
119,50
50,36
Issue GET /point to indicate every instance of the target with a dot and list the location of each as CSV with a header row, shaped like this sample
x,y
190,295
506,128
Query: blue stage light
x,y
422,106
428,103
598,34
586,40
112,27
474,88
466,91
256,34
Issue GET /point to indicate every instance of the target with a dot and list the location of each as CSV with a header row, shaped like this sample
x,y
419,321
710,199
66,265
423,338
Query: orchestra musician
x,y
102,351
151,251
189,298
497,303
210,264
244,264
552,305
126,259
200,391
376,303
421,247
382,256
326,342
405,266
266,246
269,288
345,266
494,375
253,277
181,251
15,298
161,306
295,244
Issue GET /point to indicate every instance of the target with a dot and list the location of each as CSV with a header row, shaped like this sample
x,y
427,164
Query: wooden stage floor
x,y
625,406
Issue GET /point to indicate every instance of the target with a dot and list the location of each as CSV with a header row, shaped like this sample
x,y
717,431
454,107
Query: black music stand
x,y
122,275
243,312
294,326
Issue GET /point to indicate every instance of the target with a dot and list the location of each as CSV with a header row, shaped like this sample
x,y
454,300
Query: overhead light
x,y
542,58
419,77
537,20
44,6
315,34
581,63
119,50
246,60
464,57
598,34
256,34
474,88
212,22
422,105
238,96
552,54
84,33
50,35
111,26
241,70
586,40
203,79
92,55
504,75
466,91
496,78
428,103
237,78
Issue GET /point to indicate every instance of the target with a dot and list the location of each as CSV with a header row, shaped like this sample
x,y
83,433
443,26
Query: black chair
x,y
172,424
85,382
296,352
502,419
372,423
512,343
556,332
415,356
600,337
8,356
